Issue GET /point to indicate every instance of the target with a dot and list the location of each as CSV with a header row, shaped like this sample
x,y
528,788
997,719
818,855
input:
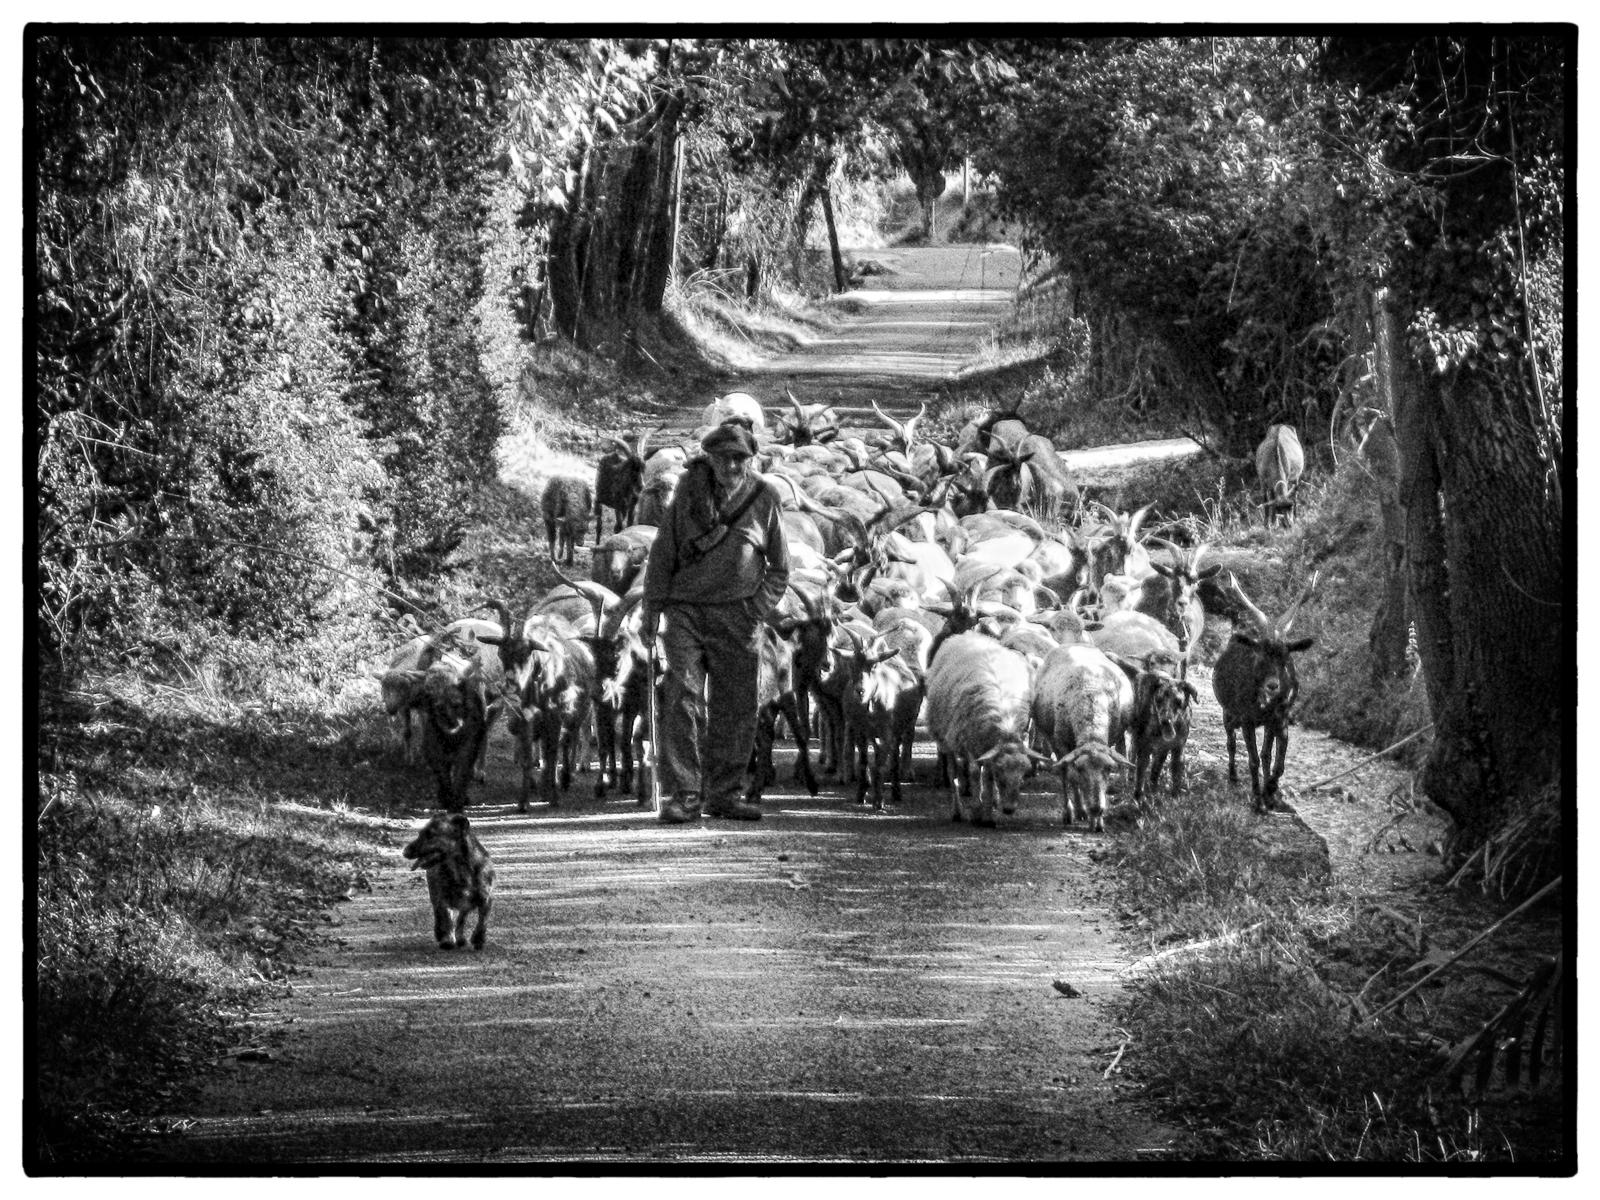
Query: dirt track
x,y
829,985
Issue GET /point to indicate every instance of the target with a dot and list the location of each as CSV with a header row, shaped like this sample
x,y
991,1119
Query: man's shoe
x,y
679,811
735,810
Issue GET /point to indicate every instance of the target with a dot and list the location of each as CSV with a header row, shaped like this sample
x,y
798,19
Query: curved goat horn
x,y
1287,620
1136,520
1259,617
588,589
888,420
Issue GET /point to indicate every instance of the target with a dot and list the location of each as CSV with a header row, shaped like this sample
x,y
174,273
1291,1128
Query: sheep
x,y
1134,635
621,557
882,698
1256,684
460,879
566,504
1083,703
979,697
1160,727
739,405
1280,461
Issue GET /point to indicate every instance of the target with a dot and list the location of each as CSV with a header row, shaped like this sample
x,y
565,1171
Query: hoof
x,y
984,823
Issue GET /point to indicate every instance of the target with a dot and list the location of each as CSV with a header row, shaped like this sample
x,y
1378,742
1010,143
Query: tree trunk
x,y
1391,622
1484,546
833,239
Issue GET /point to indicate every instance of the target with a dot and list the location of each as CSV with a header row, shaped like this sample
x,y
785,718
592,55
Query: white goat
x,y
979,694
1082,705
737,404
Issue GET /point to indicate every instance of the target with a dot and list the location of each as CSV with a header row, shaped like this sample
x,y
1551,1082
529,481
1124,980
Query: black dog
x,y
460,878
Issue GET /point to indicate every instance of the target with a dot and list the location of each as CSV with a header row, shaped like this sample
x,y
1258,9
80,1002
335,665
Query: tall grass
x,y
1249,1013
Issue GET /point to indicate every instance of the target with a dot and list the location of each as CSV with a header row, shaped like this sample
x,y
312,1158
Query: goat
x,y
737,405
1256,684
399,683
453,693
566,504
812,424
1117,549
1083,703
979,696
550,671
775,693
460,879
1171,596
618,480
1280,461
881,703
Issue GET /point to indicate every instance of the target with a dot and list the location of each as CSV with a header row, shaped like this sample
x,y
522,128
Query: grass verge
x,y
1251,1013
187,848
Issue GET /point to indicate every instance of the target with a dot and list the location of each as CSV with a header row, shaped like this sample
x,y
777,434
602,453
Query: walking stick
x,y
654,761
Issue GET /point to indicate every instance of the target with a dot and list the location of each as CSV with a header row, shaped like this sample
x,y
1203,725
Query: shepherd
x,y
718,566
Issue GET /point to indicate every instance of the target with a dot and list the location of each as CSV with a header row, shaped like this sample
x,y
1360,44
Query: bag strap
x,y
708,541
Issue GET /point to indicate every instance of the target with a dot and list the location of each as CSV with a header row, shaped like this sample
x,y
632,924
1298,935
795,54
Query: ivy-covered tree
x,y
1457,201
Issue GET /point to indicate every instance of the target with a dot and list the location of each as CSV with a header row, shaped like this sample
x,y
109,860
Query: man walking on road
x,y
718,566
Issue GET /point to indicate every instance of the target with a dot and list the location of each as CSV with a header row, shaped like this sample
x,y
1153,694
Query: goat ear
x,y
1194,696
492,639
1299,644
1209,571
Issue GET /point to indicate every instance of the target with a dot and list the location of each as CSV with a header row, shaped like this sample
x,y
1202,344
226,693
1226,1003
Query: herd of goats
x,y
920,590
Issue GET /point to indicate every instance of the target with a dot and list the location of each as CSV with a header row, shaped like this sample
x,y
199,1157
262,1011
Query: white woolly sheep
x,y
1082,704
979,695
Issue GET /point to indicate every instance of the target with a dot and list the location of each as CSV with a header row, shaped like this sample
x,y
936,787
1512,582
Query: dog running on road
x,y
460,878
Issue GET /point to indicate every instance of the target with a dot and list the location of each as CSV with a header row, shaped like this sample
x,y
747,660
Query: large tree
x,y
1460,202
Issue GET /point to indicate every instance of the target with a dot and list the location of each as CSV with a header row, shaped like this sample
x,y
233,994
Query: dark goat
x,y
550,672
566,504
1006,428
1029,473
454,694
1255,682
618,480
1279,464
882,697
1117,549
775,693
813,424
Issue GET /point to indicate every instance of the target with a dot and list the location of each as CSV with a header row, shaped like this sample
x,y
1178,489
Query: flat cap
x,y
731,437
